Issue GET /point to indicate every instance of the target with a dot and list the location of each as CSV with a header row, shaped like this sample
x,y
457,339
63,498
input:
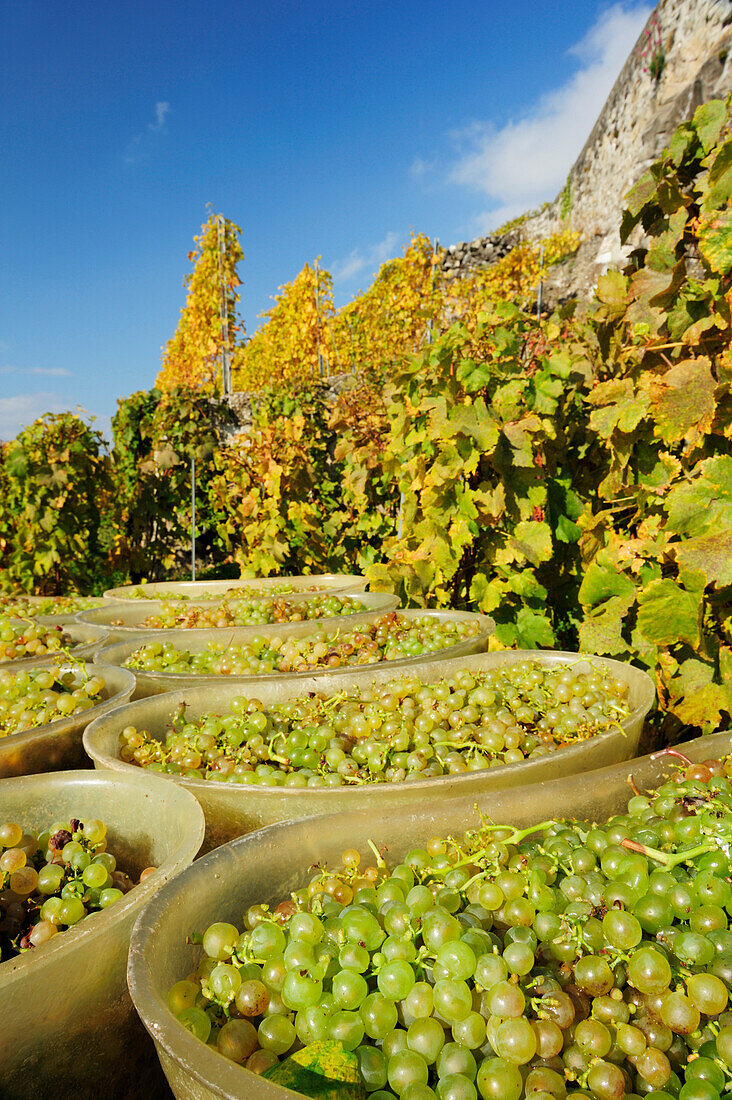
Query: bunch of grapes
x,y
37,696
23,608
283,588
401,730
249,611
20,638
50,881
566,959
389,638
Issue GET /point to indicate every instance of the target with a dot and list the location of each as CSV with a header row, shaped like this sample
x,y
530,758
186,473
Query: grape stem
x,y
668,859
670,752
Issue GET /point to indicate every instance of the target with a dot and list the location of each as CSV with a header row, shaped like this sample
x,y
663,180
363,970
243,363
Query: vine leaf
x,y
683,399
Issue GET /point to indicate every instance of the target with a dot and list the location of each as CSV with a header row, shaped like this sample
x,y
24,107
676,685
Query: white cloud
x,y
141,144
357,260
161,110
524,162
50,372
19,411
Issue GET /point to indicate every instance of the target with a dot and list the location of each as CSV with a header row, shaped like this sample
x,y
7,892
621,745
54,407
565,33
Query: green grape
x,y
448,980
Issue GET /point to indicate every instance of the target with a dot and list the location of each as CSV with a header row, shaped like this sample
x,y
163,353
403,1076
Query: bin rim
x,y
118,652
421,786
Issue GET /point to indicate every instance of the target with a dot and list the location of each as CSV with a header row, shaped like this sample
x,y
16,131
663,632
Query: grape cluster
x,y
566,959
24,608
389,638
37,696
249,611
50,881
29,639
283,588
401,730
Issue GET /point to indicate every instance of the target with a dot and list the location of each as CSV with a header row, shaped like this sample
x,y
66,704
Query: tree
x,y
191,357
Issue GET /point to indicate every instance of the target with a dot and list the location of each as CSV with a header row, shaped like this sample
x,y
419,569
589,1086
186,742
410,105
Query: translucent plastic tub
x,y
86,640
330,582
195,641
269,864
67,1028
122,620
58,745
232,810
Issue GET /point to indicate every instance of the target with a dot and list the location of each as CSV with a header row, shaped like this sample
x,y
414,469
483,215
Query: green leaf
x,y
669,614
641,194
708,121
322,1070
704,500
533,538
602,630
533,630
612,289
716,190
566,530
600,583
683,141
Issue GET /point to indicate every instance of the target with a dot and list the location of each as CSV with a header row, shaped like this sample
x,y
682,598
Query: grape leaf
x,y
708,121
715,240
710,554
602,630
600,583
669,614
683,398
533,630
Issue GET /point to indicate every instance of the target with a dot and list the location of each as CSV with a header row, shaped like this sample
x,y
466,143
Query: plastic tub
x,y
195,641
234,810
134,612
68,1027
58,744
330,582
269,864
87,639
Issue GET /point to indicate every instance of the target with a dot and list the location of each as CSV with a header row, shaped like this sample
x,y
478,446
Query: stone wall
x,y
634,126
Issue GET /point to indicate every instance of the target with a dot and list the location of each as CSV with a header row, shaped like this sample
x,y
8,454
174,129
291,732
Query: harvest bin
x,y
86,640
269,864
68,1028
58,744
122,620
195,641
232,810
328,582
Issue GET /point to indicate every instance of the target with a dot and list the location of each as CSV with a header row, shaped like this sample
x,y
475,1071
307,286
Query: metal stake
x,y
223,311
193,518
539,288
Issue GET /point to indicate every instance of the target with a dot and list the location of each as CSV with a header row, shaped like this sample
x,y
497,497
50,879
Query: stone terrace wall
x,y
634,126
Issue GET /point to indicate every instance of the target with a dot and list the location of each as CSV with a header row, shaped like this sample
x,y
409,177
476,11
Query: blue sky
x,y
330,129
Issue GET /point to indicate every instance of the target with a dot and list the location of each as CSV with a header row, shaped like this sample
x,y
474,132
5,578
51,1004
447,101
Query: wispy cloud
x,y
161,111
49,372
19,411
524,162
355,262
141,144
